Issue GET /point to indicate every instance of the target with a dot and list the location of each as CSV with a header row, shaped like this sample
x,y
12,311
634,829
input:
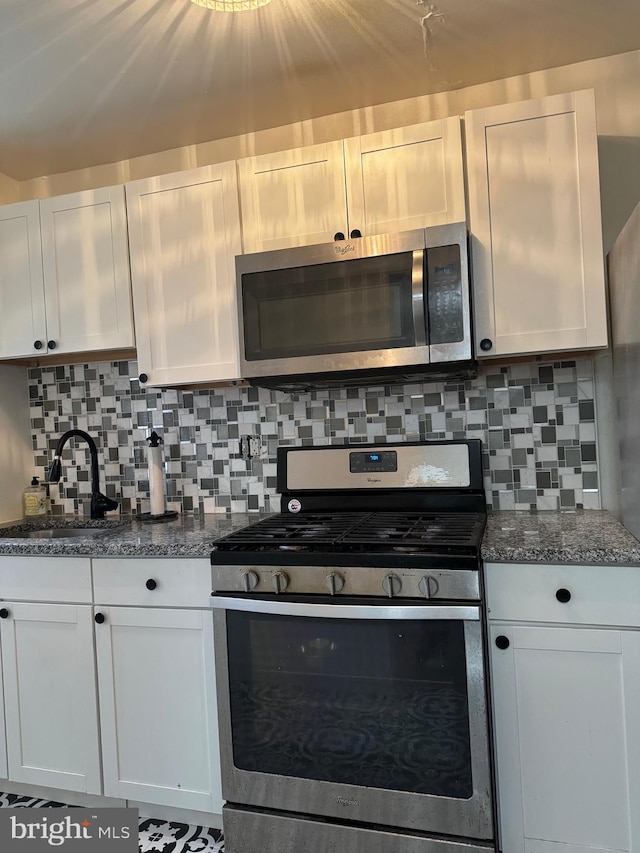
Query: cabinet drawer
x,y
599,595
46,579
156,582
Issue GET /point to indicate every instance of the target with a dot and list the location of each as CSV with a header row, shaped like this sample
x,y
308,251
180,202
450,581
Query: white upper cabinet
x,y
293,198
86,270
411,177
23,324
64,275
384,182
534,211
184,232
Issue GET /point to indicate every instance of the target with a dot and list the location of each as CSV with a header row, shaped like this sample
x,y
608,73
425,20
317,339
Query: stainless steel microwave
x,y
389,308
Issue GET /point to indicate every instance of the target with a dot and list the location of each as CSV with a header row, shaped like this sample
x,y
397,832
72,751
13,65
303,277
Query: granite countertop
x,y
587,536
126,536
582,536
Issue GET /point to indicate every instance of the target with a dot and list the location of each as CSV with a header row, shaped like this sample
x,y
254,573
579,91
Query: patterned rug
x,y
155,836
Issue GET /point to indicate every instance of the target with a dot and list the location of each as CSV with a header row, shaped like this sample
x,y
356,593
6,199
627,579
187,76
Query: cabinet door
x,y
158,707
184,232
534,207
407,178
566,704
86,271
50,696
293,198
22,315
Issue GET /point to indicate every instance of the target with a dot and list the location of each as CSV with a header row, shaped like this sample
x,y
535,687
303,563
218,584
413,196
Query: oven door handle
x,y
280,607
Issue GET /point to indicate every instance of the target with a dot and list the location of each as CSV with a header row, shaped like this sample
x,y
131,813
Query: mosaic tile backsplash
x,y
536,421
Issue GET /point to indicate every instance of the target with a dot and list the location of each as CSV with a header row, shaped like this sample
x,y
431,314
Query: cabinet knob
x,y
38,344
151,584
143,377
563,595
4,613
356,233
51,344
338,236
486,344
502,642
99,618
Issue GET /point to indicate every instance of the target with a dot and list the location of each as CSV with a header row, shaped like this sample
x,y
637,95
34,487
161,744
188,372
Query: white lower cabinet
x,y
566,713
50,696
136,645
48,674
156,682
157,706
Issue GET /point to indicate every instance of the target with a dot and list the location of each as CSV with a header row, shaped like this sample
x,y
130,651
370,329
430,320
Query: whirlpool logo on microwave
x,y
344,250
76,829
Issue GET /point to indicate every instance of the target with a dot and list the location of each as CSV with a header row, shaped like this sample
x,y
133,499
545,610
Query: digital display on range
x,y
362,462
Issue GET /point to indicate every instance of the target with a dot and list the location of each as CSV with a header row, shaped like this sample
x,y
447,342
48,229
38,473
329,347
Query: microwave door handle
x,y
418,289
430,612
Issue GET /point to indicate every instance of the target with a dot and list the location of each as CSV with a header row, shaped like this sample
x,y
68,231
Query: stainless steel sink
x,y
52,530
60,533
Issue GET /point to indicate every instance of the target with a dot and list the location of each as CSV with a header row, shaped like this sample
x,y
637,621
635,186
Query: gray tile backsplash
x,y
536,420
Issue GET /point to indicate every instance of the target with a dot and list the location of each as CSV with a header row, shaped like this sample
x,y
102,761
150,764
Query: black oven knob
x,y
280,582
392,585
250,580
335,582
428,586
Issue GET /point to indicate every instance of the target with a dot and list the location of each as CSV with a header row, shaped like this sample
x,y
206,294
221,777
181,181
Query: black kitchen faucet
x,y
99,503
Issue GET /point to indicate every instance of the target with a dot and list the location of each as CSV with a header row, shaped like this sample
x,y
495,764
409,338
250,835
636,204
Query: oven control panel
x,y
373,461
374,581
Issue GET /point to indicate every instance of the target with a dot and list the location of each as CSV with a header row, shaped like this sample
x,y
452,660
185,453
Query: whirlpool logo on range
x,y
80,830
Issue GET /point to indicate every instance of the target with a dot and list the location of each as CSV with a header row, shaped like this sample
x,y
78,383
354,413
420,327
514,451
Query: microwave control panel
x,y
445,294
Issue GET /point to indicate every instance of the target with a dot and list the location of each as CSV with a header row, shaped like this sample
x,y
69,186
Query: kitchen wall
x,y
616,80
9,189
16,457
536,420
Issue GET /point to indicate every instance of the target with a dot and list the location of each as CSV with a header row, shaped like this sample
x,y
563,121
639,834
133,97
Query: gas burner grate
x,y
414,531
300,532
410,532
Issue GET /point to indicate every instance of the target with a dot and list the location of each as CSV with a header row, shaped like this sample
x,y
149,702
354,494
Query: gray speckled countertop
x,y
588,536
185,536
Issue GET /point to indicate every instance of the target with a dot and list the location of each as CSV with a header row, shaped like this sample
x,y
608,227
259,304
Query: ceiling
x,y
84,82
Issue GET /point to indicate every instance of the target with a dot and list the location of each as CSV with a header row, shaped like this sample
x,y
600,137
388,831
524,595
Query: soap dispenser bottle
x,y
36,498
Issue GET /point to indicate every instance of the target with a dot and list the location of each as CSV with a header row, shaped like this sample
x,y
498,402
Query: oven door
x,y
365,711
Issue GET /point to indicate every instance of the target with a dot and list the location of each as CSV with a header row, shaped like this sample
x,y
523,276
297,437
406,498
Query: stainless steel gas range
x,y
350,657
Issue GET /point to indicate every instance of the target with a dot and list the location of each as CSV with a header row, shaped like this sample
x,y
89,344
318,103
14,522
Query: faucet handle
x,y
100,504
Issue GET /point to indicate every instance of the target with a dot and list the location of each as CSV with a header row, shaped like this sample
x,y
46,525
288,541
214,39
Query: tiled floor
x,y
155,836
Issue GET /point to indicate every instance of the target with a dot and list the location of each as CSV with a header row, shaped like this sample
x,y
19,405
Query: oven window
x,y
346,306
375,703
